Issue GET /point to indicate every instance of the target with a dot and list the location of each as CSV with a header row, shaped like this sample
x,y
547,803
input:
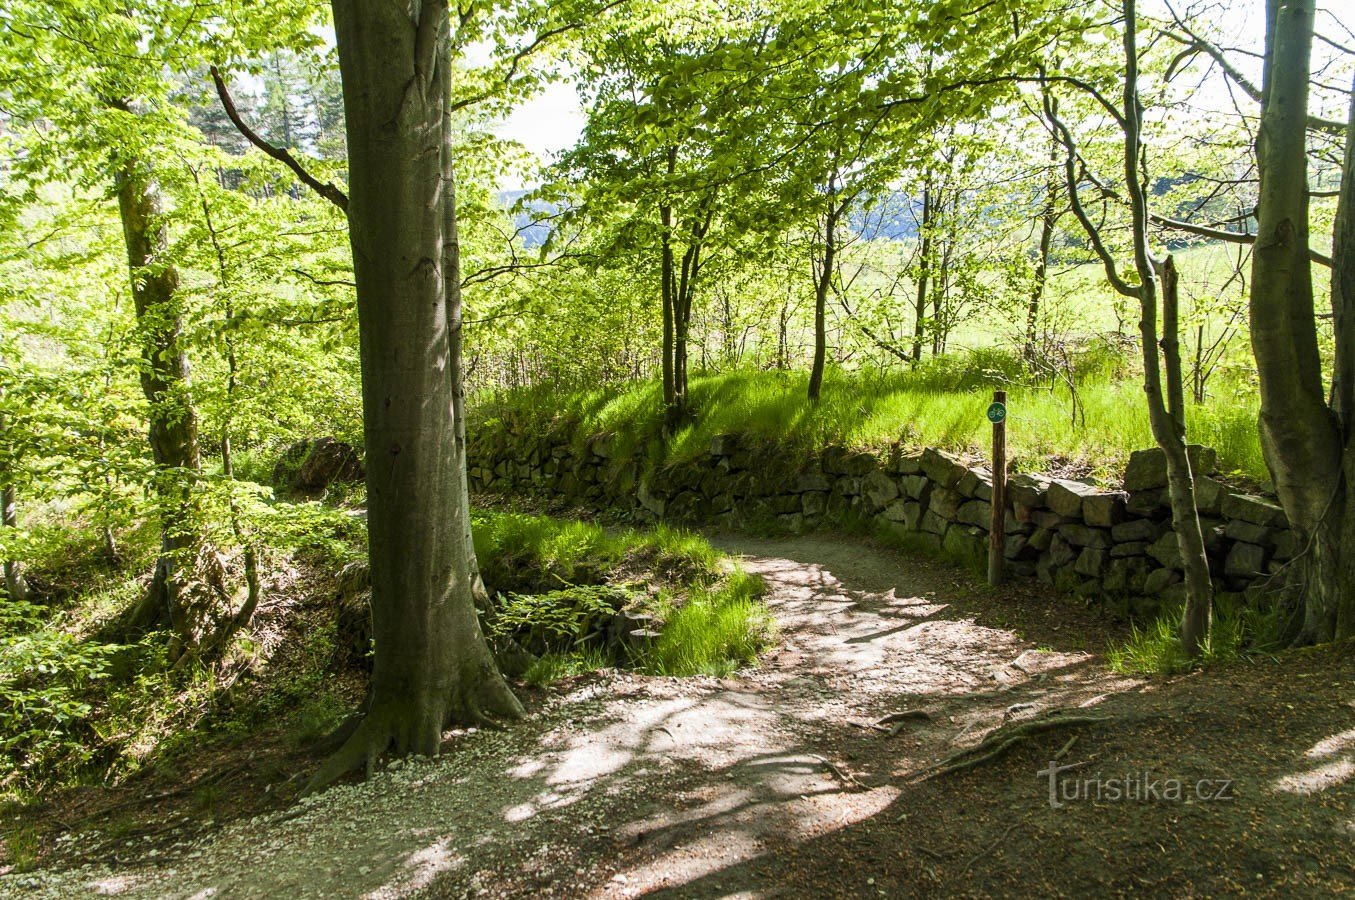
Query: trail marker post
x,y
997,414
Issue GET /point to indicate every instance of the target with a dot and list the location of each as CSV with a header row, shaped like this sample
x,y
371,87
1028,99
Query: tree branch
x,y
325,189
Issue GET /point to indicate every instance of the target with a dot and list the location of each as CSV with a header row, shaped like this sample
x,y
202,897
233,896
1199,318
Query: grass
x,y
551,667
1156,649
709,614
938,404
714,632
520,552
22,844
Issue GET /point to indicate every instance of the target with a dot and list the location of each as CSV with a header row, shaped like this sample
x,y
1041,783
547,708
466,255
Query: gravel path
x,y
620,785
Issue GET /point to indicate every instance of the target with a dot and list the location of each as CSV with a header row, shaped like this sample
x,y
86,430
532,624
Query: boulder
x,y
310,467
1041,538
976,512
1245,561
813,503
977,484
1091,562
1209,494
1159,580
1017,547
1061,553
945,503
895,512
1167,552
812,481
1028,490
1085,536
933,524
903,462
1148,468
916,486
1136,530
1152,503
1043,518
1239,530
879,488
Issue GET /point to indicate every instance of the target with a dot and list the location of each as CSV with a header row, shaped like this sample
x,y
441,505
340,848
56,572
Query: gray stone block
x,y
1065,497
1148,468
1104,509
1136,530
1166,551
1085,536
1028,490
942,467
1245,561
1257,510
1091,563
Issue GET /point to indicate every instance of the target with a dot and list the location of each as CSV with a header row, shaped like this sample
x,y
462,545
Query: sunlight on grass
x,y
939,404
1157,649
708,612
714,632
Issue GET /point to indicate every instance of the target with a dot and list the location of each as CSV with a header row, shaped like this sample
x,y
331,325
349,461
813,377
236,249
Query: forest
x,y
613,448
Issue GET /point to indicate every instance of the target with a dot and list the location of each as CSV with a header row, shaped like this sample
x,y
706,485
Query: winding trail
x,y
770,783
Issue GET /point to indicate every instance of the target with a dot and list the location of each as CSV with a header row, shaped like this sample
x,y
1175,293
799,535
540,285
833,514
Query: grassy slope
x,y
939,405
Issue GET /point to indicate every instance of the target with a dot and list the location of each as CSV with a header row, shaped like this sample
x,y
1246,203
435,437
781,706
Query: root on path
x,y
1001,740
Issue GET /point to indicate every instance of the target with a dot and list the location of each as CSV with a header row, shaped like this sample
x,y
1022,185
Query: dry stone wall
x,y
1113,546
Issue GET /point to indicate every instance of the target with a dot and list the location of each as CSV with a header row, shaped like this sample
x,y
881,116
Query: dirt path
x,y
769,784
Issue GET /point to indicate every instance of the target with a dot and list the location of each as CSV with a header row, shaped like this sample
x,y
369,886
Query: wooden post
x,y
997,414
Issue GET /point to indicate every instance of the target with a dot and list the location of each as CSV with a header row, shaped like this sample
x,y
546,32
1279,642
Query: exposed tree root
x,y
999,741
842,775
991,847
398,729
894,720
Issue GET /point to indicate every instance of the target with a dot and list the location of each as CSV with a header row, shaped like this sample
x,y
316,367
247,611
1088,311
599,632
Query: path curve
x,y
621,785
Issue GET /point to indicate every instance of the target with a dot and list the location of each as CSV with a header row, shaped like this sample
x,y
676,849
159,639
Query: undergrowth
x,y
561,583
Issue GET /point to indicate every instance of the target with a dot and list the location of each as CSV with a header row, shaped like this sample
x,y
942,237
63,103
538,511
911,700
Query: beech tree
x,y
432,665
1307,418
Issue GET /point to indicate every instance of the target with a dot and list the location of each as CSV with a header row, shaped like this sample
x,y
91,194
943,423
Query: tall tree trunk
x,y
1166,415
1165,410
432,665
821,288
682,311
1048,222
669,292
15,583
173,427
924,270
1304,440
1343,382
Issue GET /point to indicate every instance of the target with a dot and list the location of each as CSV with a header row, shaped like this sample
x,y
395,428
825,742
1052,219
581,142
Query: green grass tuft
x,y
714,632
560,579
1156,649
551,667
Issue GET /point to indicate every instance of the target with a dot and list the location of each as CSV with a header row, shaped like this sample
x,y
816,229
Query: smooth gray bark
x,y
1305,434
432,666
